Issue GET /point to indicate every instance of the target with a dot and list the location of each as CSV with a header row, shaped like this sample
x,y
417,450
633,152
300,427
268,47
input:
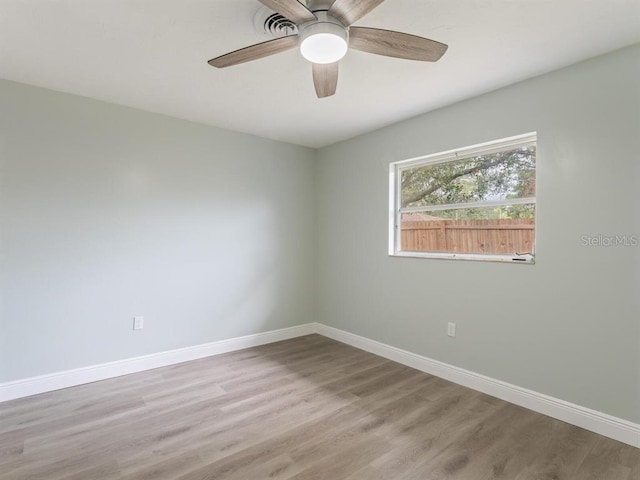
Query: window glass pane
x,y
496,176
488,230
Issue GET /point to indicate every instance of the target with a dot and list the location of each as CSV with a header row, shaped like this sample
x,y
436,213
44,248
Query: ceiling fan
x,y
324,36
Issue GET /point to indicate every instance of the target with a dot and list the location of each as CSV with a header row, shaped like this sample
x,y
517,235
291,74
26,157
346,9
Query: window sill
x,y
526,259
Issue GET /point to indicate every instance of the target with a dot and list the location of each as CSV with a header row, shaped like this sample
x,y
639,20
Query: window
x,y
474,203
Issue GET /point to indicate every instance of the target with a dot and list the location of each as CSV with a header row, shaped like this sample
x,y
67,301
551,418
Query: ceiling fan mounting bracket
x,y
322,16
316,5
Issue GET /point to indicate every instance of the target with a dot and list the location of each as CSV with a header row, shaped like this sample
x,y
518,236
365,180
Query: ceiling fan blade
x,y
325,78
292,9
395,44
350,11
255,52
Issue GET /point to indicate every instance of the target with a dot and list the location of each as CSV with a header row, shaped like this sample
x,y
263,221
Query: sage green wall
x,y
568,326
108,212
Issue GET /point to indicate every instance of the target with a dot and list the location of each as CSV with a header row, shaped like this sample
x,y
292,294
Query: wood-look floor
x,y
307,408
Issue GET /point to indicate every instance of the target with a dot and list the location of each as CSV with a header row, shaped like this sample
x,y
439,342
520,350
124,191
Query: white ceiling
x,y
152,55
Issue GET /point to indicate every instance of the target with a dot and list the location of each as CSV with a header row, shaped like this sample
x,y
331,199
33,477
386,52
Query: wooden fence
x,y
469,236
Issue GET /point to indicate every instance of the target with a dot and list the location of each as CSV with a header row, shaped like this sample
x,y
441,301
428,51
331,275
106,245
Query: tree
x,y
496,176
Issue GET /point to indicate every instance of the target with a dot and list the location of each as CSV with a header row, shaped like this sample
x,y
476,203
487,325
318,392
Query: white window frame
x,y
395,201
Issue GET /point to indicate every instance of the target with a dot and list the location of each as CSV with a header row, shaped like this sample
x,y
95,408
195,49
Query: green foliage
x,y
496,176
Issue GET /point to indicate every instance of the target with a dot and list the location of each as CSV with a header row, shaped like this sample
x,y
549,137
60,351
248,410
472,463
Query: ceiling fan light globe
x,y
323,48
324,40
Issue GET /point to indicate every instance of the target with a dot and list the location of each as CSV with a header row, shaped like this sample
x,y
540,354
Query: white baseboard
x,y
79,376
598,422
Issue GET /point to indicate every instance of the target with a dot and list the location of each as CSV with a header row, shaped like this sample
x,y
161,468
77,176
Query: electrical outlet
x,y
451,329
138,323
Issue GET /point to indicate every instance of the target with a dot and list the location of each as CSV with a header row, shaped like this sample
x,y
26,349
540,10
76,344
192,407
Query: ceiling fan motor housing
x,y
324,40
